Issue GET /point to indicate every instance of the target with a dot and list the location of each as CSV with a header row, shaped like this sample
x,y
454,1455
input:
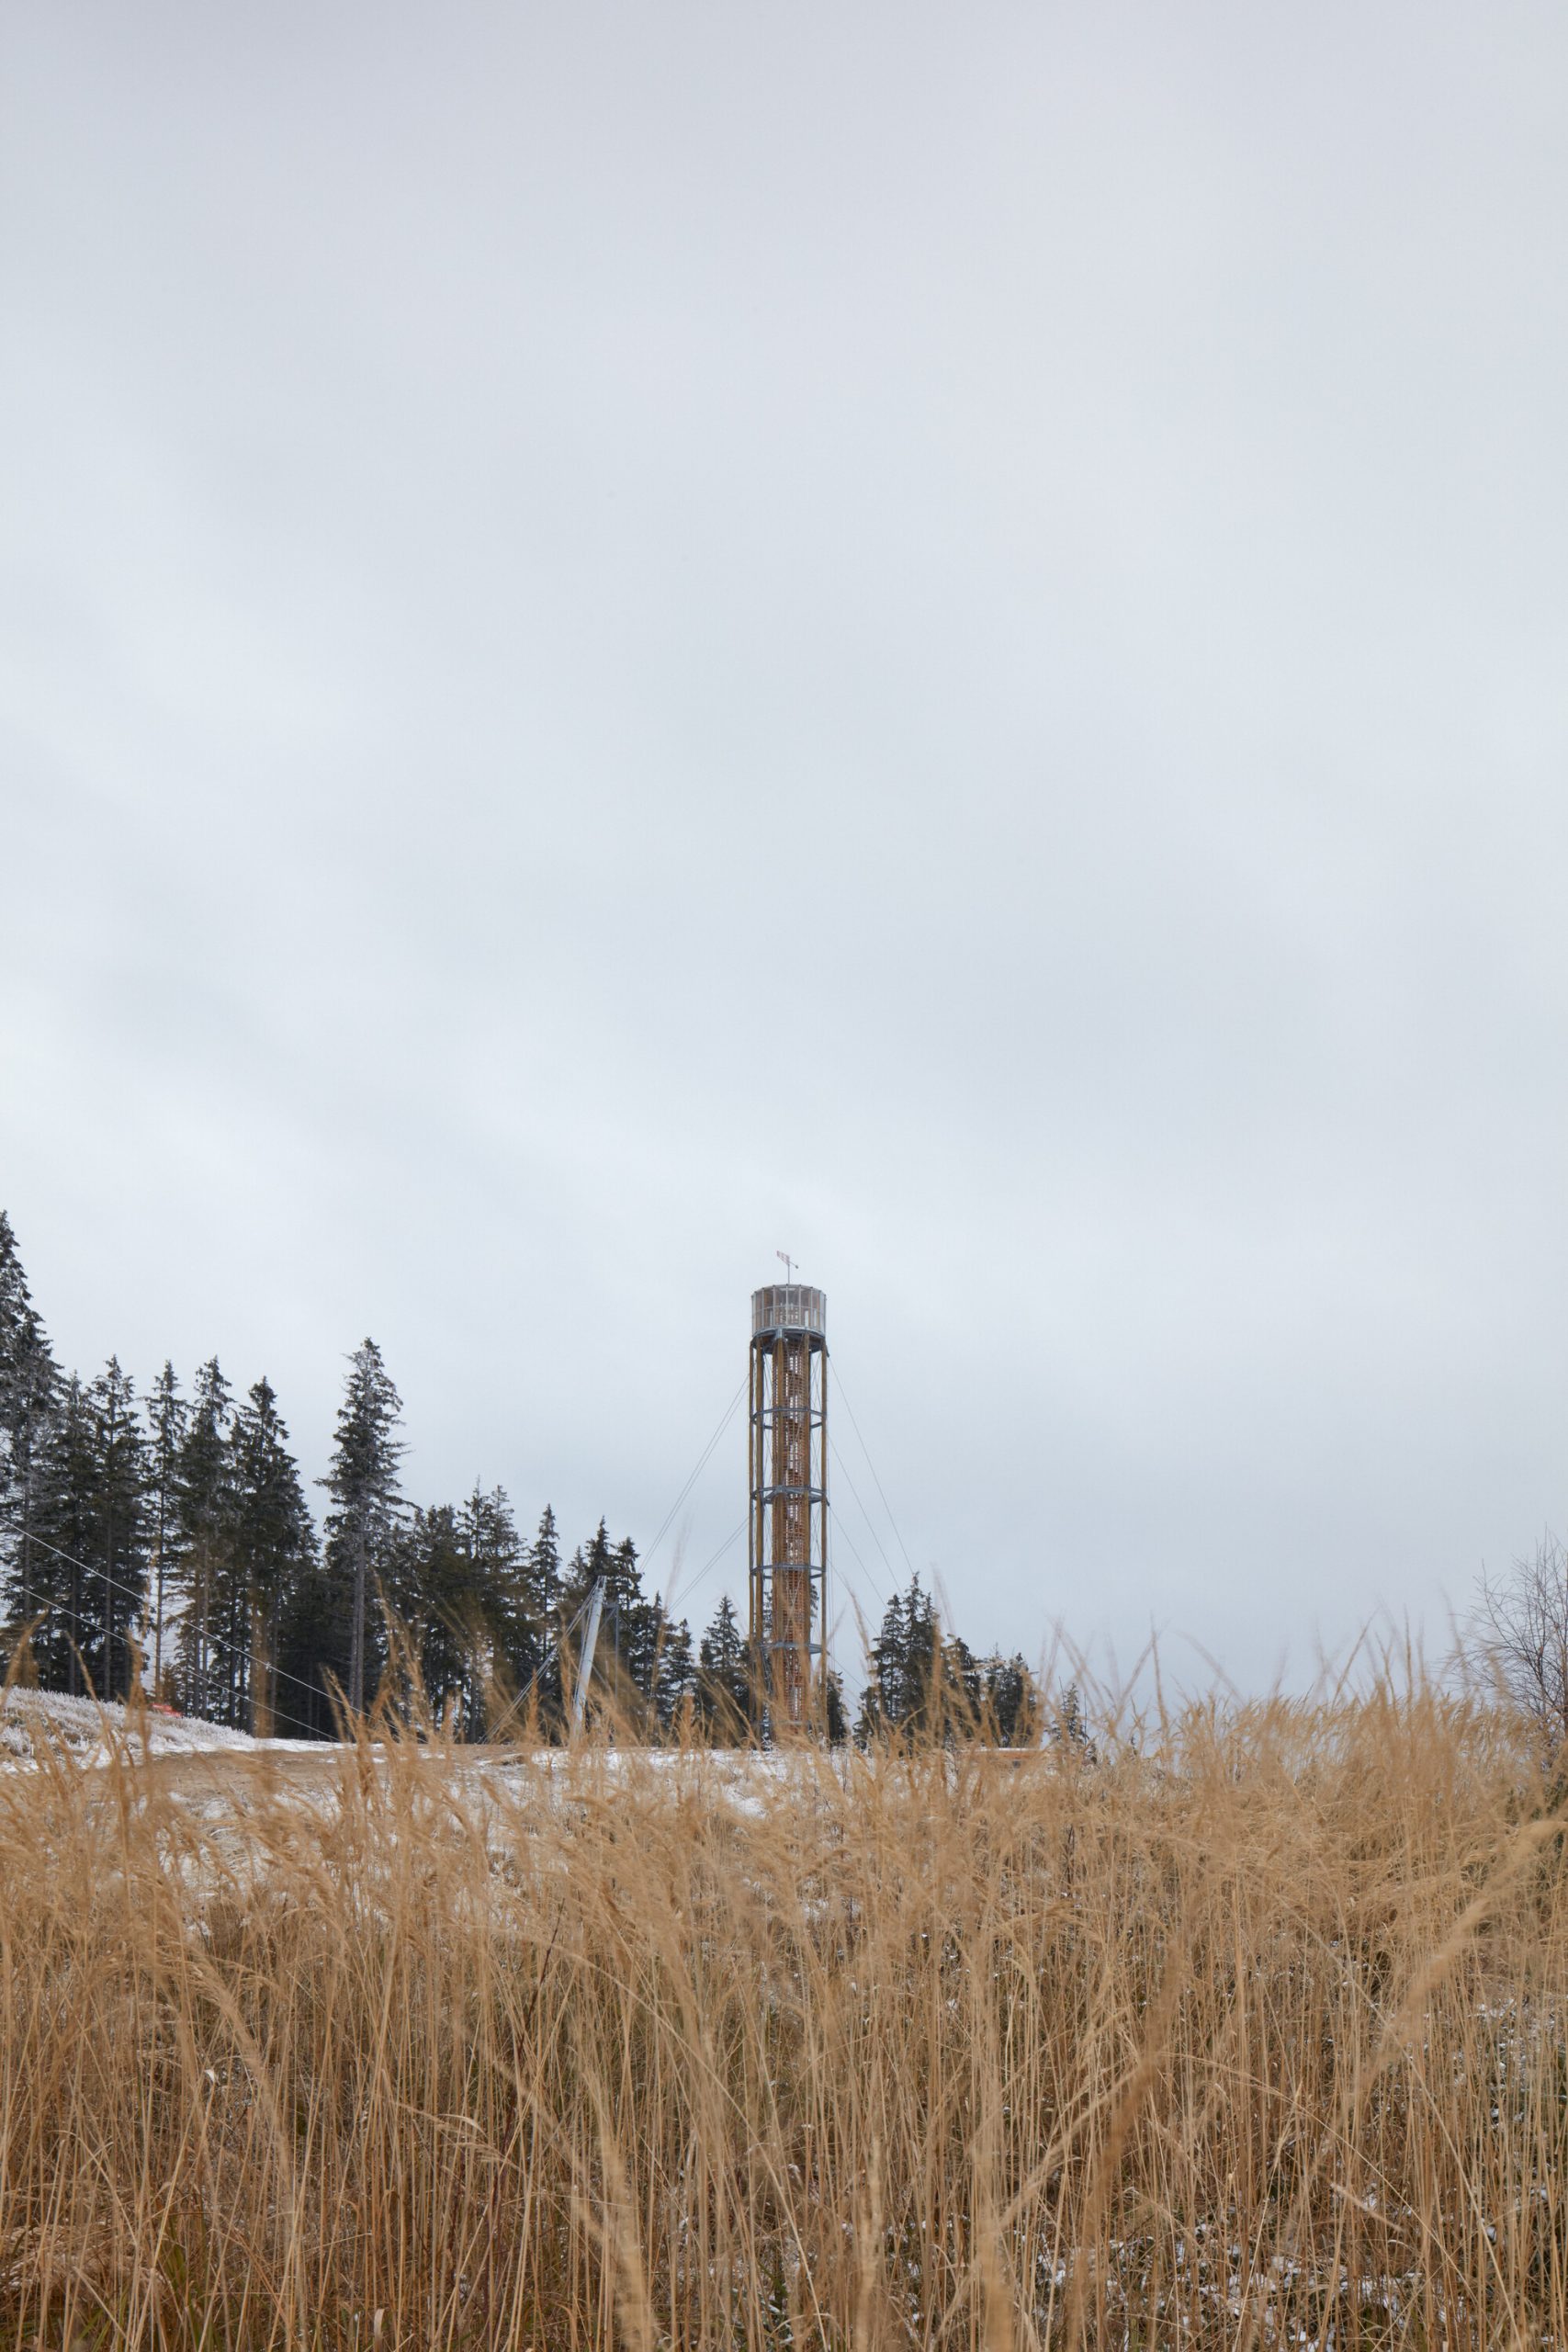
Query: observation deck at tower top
x,y
786,1307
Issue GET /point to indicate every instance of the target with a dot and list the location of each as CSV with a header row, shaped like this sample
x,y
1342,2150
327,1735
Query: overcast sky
x,y
930,636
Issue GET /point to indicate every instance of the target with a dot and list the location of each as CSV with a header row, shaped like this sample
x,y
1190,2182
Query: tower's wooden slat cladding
x,y
786,1542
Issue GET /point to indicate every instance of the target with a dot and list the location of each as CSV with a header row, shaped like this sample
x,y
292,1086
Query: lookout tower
x,y
786,1522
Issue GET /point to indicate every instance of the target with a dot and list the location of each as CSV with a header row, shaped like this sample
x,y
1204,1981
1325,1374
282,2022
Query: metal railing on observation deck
x,y
788,1307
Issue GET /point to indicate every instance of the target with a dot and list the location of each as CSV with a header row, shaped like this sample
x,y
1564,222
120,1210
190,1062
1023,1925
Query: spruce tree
x,y
88,1579
463,1593
29,1385
433,1587
626,1661
724,1686
920,1679
543,1562
517,1588
1013,1702
641,1631
167,1415
363,1484
547,1586
55,1599
922,1658
675,1673
120,1451
313,1652
886,1699
961,1686
588,1565
512,1629
273,1554
1069,1733
591,1564
566,1636
204,1572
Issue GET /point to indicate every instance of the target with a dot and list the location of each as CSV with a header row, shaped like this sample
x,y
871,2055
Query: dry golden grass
x,y
1254,2037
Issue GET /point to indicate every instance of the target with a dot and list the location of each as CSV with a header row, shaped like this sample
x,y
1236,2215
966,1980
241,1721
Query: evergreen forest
x,y
160,1543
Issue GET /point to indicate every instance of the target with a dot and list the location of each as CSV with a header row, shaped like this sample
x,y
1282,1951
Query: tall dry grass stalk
x,y
1253,2037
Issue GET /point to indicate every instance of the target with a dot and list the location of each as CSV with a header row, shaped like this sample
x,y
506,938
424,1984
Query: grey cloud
x,y
634,636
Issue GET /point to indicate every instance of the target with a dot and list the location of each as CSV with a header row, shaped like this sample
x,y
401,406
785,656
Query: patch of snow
x,y
33,1722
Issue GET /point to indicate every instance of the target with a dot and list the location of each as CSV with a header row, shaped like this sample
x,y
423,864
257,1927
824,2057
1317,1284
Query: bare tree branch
x,y
1518,1628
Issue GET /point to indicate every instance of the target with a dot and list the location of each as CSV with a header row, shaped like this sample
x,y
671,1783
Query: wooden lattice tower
x,y
786,1542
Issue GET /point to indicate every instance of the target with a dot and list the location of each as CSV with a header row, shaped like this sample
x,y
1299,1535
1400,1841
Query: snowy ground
x,y
36,1722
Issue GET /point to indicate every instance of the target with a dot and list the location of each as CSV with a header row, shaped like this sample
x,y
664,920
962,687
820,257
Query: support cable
x,y
709,1565
279,1673
872,1467
90,1568
870,1524
702,1462
839,1529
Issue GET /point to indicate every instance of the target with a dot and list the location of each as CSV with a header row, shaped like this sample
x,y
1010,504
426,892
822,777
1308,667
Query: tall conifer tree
x,y
916,1675
28,1393
518,1586
724,1689
204,1547
1013,1702
641,1628
167,1415
434,1586
884,1702
543,1562
546,1584
273,1547
87,1582
122,1499
630,1628
675,1673
363,1483
56,1595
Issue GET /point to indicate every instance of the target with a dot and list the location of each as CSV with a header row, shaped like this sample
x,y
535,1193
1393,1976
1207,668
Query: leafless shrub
x,y
1518,1631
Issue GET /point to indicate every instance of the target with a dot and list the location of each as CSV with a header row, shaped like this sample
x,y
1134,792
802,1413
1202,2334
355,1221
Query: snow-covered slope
x,y
35,1720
